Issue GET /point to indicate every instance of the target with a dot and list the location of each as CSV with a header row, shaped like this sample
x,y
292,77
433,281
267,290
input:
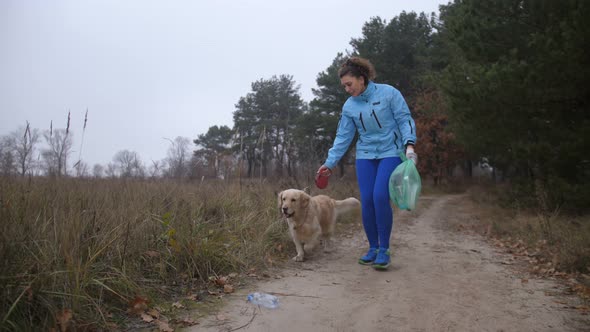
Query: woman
x,y
380,115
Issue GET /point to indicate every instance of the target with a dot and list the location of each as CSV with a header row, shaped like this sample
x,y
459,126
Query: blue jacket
x,y
381,117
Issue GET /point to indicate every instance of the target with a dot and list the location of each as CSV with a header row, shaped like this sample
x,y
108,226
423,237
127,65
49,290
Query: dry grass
x,y
89,248
92,247
561,240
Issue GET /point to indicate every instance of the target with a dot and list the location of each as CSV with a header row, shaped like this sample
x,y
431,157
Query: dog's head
x,y
292,202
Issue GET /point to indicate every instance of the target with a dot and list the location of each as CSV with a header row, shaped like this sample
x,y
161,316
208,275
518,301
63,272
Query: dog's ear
x,y
304,200
280,199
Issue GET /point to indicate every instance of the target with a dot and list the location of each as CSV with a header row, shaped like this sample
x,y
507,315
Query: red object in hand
x,y
321,177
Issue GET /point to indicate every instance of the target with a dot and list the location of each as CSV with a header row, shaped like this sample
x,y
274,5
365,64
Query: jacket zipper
x,y
362,122
376,119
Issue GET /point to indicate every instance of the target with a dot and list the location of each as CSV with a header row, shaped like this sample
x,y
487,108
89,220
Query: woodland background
x,y
499,91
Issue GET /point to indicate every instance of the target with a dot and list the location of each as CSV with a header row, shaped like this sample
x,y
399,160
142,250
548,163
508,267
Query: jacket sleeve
x,y
403,117
344,135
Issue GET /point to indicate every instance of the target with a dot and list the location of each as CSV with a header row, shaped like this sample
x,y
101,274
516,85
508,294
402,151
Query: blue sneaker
x,y
369,257
383,260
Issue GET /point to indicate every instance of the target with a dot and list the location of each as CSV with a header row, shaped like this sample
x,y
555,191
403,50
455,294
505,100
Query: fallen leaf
x,y
188,322
164,327
29,292
147,318
228,289
138,305
220,317
154,313
151,253
220,281
524,280
177,305
112,326
63,318
233,275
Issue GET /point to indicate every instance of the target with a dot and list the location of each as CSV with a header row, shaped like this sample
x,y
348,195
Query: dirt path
x,y
439,280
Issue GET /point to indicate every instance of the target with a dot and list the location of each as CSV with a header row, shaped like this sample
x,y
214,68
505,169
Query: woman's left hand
x,y
410,154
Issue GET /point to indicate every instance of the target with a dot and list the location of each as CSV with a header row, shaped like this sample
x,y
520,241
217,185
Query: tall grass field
x,y
76,254
90,247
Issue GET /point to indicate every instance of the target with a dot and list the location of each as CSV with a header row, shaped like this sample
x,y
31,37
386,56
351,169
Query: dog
x,y
311,218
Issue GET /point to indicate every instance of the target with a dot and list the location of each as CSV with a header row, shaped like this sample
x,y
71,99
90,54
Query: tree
x,y
98,171
316,129
7,162
399,50
129,164
111,170
23,143
438,149
264,120
517,83
81,169
178,157
155,169
211,146
59,143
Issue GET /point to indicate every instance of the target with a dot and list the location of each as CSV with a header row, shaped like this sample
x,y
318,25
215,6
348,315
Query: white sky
x,y
149,70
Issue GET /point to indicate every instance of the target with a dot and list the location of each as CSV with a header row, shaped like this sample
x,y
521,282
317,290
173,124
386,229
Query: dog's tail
x,y
346,205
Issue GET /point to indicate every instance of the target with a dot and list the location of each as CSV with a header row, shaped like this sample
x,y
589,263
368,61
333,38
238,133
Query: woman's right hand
x,y
324,171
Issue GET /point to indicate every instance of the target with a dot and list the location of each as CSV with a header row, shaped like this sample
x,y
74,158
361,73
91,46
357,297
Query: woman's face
x,y
353,85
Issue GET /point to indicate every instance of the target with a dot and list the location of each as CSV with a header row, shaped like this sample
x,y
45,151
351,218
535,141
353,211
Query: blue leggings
x,y
373,179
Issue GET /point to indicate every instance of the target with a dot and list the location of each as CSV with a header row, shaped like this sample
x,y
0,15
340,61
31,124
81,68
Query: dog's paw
x,y
298,258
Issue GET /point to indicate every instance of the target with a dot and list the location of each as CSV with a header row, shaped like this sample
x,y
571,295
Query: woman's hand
x,y
321,177
410,154
324,171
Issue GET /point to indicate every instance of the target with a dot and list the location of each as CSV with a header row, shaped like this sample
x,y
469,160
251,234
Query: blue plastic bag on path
x,y
405,184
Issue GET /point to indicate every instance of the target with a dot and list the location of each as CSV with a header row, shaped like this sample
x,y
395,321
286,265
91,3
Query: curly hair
x,y
358,67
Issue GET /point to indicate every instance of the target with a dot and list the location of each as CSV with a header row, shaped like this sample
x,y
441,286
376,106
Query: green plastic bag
x,y
405,184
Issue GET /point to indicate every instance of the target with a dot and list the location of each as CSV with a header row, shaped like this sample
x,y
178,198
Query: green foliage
x,y
398,49
264,120
517,83
316,129
213,145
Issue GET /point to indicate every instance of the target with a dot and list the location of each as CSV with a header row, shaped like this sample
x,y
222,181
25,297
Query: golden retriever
x,y
310,218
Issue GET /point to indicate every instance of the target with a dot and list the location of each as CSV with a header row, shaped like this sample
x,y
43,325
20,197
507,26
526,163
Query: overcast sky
x,y
151,70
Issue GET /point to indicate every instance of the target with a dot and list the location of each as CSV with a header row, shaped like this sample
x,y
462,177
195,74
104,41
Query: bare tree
x,y
111,170
155,169
23,142
81,169
129,164
59,143
178,157
7,162
98,170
